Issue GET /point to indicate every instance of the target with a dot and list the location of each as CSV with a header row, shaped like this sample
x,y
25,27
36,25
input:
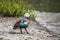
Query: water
x,y
49,20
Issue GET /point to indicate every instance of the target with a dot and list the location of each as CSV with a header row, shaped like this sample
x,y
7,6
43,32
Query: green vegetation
x,y
14,8
54,5
33,16
45,5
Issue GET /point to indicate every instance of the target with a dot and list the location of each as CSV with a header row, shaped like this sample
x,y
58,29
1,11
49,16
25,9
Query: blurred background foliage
x,y
14,8
45,5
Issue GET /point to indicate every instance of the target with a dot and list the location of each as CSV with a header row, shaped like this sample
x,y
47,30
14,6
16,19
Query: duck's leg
x,y
21,30
26,30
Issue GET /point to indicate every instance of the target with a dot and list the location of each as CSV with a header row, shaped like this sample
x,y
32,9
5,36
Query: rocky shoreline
x,y
36,31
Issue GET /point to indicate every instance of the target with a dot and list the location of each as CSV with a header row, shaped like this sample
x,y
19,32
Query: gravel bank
x,y
36,31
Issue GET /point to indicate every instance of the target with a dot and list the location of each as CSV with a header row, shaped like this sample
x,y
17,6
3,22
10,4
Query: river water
x,y
49,20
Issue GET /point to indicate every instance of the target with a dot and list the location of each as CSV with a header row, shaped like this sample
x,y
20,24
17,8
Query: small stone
x,y
25,39
39,31
37,39
1,38
28,38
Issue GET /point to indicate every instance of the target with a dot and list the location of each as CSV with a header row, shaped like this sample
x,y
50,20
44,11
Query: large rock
x,y
49,20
